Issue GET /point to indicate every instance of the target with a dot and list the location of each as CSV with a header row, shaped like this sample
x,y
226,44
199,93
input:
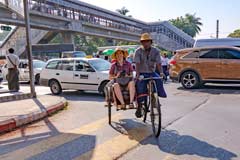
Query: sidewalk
x,y
17,113
24,92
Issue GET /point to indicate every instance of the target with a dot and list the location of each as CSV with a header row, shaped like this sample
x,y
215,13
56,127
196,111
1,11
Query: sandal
x,y
131,106
119,107
106,105
123,106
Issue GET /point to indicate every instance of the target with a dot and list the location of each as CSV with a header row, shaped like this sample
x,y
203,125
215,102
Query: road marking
x,y
117,146
53,142
179,157
170,157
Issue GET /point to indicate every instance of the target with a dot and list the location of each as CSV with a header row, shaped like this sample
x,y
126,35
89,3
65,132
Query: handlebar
x,y
150,78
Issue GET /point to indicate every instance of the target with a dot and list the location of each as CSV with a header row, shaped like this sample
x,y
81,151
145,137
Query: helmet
x,y
146,37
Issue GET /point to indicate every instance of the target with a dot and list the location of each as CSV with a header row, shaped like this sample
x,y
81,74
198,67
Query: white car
x,y
75,73
24,70
1,77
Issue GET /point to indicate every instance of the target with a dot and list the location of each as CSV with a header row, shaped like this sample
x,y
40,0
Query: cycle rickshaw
x,y
152,105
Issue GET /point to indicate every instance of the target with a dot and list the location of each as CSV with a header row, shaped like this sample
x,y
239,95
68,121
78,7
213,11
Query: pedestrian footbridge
x,y
49,17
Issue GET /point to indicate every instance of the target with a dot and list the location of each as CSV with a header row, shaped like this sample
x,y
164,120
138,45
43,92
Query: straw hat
x,y
145,37
125,53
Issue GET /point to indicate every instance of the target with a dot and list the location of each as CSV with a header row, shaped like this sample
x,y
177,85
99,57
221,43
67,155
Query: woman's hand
x,y
118,75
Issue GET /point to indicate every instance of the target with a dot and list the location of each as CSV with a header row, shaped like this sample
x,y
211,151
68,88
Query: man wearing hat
x,y
147,59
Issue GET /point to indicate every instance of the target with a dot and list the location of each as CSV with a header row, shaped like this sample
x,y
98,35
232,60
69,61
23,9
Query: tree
x,y
189,24
123,43
123,11
57,39
89,44
194,23
235,34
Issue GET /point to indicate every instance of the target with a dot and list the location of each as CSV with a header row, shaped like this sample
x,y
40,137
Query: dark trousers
x,y
165,72
141,86
13,79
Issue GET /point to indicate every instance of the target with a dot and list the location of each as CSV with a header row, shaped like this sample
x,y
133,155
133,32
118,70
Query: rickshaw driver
x,y
147,59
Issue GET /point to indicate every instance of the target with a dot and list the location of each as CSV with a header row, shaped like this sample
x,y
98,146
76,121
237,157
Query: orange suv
x,y
196,66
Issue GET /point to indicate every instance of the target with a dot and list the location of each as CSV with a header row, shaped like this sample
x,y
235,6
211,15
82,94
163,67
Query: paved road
x,y
198,124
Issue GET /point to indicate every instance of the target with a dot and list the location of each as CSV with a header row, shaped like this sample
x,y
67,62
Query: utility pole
x,y
29,48
217,31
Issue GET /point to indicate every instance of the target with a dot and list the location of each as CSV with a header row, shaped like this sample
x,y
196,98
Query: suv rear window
x,y
209,54
194,54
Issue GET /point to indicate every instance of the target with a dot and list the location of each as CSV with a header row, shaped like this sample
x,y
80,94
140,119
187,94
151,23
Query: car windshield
x,y
38,64
100,64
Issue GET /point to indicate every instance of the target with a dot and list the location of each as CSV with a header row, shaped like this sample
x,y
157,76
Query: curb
x,y
15,97
15,122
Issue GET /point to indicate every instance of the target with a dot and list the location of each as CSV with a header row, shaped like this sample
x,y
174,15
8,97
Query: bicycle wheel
x,y
155,109
108,98
145,110
109,113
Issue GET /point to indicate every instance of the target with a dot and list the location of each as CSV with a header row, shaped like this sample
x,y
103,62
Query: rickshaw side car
x,y
152,105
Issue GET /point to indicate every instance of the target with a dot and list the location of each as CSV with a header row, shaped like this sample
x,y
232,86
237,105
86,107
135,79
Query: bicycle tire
x,y
109,113
109,107
155,111
145,110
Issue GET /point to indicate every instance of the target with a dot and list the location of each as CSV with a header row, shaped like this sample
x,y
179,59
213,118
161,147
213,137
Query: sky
x,y
227,11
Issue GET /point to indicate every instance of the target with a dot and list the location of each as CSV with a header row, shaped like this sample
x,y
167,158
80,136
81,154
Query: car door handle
x,y
57,74
83,76
76,75
225,63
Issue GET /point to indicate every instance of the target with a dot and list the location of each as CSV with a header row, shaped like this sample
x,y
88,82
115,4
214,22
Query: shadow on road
x,y
215,89
82,96
176,144
71,144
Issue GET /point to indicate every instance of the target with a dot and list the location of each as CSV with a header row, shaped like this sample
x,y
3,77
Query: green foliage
x,y
89,44
124,11
189,24
162,51
235,34
57,39
122,43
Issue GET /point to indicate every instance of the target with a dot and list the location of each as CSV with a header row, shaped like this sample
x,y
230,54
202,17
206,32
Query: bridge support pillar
x,y
68,37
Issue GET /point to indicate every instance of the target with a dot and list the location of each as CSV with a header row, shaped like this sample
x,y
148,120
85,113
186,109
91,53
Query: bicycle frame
x,y
152,94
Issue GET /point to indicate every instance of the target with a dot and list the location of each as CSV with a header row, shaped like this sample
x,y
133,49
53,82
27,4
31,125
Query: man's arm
x,y
159,68
137,70
159,64
17,61
137,61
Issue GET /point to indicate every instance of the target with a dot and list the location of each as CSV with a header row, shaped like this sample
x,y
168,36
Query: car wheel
x,y
55,87
37,79
190,80
101,88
